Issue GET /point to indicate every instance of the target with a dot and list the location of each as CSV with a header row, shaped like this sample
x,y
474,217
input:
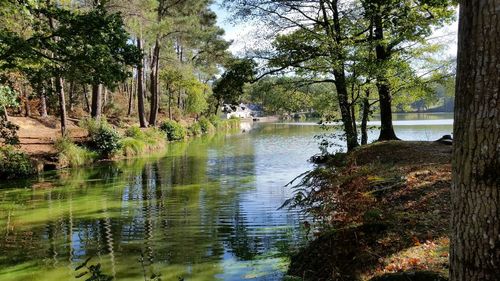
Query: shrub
x,y
132,146
135,132
14,163
8,132
216,121
206,126
195,129
173,130
104,139
73,155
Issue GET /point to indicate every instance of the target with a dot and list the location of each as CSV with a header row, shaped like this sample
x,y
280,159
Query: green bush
x,y
206,126
174,130
73,155
195,129
104,139
132,146
14,163
216,121
135,132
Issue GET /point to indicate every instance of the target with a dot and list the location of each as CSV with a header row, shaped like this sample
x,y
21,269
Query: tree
x,y
475,243
394,26
229,88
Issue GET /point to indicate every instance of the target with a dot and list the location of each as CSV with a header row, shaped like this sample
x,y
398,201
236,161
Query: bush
x,y
174,130
206,126
216,121
135,132
104,139
73,155
8,132
14,163
195,129
132,147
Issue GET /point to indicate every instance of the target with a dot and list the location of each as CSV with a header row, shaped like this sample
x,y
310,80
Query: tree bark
x,y
86,96
96,109
62,103
364,118
27,105
475,243
384,90
43,102
140,91
155,99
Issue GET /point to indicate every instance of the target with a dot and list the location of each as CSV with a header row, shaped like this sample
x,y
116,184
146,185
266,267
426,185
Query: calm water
x,y
203,210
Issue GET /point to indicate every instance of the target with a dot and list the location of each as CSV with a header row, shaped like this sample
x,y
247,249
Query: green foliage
x,y
8,98
173,130
229,88
195,129
206,126
8,132
215,120
73,155
132,146
104,139
14,163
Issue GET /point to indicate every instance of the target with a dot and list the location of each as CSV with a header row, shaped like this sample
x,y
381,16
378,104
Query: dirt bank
x,y
385,215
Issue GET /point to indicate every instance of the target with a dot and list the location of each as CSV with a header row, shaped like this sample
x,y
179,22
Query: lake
x,y
206,209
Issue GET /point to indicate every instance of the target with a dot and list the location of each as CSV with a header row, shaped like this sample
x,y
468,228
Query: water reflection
x,y
189,214
204,210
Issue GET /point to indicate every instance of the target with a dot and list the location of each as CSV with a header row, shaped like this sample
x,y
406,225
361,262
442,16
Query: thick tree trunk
x,y
140,91
475,243
155,97
130,91
384,90
62,103
96,109
43,102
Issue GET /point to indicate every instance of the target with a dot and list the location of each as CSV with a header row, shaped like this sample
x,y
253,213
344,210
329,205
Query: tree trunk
x,y
364,118
345,110
27,105
130,90
43,102
86,96
62,103
475,243
71,95
155,102
140,91
96,110
384,90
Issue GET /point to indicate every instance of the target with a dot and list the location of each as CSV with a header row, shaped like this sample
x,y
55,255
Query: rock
x,y
446,139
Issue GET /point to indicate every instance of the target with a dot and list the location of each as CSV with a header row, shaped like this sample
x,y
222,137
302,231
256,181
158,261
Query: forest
x,y
91,83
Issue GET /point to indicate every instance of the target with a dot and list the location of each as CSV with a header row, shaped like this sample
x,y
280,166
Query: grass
x,y
72,155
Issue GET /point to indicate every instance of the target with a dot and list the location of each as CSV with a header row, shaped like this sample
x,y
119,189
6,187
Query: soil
x,y
388,213
38,135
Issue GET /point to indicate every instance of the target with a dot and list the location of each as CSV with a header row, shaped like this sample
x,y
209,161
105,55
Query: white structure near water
x,y
239,111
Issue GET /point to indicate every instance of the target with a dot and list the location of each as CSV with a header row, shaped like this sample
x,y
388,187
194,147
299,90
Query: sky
x,y
245,35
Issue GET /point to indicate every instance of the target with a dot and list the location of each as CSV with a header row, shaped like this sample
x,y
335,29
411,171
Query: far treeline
x,y
149,61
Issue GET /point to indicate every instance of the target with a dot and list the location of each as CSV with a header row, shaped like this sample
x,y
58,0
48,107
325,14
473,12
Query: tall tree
x,y
393,27
475,248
